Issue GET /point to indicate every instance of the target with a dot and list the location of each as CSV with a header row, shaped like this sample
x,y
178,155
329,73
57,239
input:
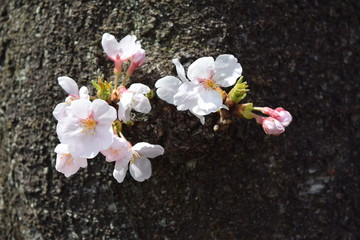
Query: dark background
x,y
235,184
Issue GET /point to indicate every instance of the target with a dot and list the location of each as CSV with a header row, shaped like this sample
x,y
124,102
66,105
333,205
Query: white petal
x,y
187,96
227,70
148,150
69,85
139,88
62,148
167,88
168,82
141,169
210,100
110,45
180,70
84,93
102,111
80,108
141,103
59,111
129,47
120,175
202,68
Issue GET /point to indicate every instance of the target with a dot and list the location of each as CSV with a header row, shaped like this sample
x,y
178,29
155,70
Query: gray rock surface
x,y
235,184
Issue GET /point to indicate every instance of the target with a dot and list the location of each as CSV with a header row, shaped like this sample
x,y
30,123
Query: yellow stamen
x,y
88,125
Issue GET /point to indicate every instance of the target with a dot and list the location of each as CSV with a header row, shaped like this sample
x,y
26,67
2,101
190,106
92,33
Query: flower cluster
x,y
87,127
202,93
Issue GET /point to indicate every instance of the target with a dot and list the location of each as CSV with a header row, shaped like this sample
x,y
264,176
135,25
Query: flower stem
x,y
125,79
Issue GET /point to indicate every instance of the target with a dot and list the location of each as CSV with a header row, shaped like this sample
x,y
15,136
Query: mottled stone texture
x,y
237,184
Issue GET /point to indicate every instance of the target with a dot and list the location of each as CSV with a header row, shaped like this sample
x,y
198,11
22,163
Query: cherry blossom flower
x,y
70,86
133,98
201,94
88,127
67,163
140,165
122,51
168,86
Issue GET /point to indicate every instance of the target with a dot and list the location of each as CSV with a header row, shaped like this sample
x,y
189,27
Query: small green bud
x,y
150,95
238,92
104,89
246,110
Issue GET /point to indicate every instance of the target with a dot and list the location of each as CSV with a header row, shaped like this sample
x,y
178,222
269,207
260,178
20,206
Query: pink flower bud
x,y
272,126
280,114
284,118
137,61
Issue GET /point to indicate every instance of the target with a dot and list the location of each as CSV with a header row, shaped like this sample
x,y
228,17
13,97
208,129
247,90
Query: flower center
x,y
68,158
208,84
88,125
134,156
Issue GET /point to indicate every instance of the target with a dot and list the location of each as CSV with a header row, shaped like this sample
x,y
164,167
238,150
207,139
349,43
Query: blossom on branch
x,y
67,163
140,165
88,127
70,86
122,51
133,98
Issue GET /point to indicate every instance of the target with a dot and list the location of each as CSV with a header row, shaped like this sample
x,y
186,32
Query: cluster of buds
x,y
90,125
202,93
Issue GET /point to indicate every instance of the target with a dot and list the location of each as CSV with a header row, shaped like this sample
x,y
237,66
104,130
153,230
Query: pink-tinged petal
x,y
180,70
202,68
148,150
65,162
110,45
187,96
141,103
119,150
60,111
139,88
129,47
103,135
69,85
68,128
139,58
120,175
102,111
272,126
210,101
82,162
80,108
227,70
84,93
140,170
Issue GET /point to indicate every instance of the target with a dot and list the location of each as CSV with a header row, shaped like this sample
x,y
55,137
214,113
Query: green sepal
x,y
104,89
246,110
238,92
150,95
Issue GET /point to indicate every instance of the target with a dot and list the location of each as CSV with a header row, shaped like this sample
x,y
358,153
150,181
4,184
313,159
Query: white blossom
x,y
88,127
140,165
67,163
133,98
